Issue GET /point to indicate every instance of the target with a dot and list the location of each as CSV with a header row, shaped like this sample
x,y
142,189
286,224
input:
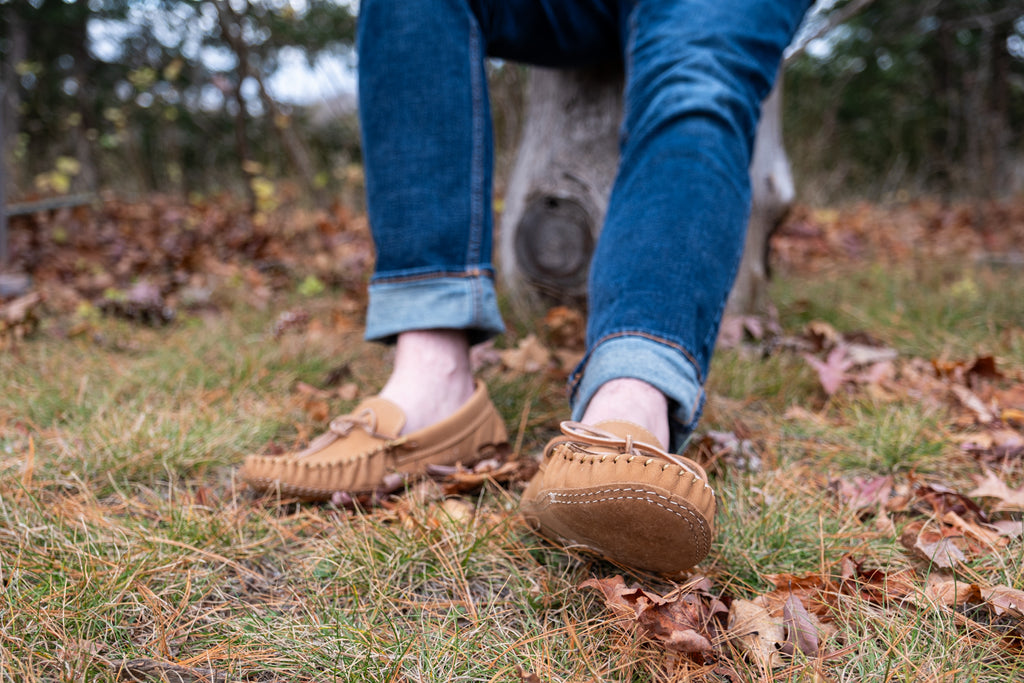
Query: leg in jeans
x,y
426,123
697,71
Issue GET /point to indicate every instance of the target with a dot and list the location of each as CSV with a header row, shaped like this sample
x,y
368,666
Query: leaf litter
x,y
182,256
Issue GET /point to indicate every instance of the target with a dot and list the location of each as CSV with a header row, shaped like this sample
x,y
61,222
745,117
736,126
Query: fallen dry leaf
x,y
1012,415
863,493
822,335
310,391
757,633
815,592
1010,528
991,486
935,545
457,479
317,410
833,371
686,622
875,584
982,413
1005,600
525,677
984,534
1011,400
951,592
801,629
964,372
529,356
19,318
458,511
863,354
942,499
994,446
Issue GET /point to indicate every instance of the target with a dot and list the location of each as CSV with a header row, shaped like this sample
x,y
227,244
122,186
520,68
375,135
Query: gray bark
x,y
558,191
772,195
559,187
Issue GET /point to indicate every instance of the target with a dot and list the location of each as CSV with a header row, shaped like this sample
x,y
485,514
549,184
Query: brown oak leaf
x,y
687,621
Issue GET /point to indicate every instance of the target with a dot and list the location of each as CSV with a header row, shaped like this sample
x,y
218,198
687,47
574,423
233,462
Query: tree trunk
x,y
558,191
231,31
87,179
17,52
772,195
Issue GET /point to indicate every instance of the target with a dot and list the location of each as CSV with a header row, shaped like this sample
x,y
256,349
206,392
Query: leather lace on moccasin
x,y
363,454
614,491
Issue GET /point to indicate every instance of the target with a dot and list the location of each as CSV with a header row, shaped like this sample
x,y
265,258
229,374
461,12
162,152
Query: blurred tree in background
x,y
140,95
910,97
184,96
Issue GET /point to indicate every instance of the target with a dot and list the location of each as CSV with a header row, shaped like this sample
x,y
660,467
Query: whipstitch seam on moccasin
x,y
591,459
667,500
703,544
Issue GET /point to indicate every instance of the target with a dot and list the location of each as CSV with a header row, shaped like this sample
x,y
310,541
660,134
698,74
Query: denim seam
x,y
578,375
477,171
471,273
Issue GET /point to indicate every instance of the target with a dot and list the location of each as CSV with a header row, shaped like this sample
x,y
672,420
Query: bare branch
x,y
835,19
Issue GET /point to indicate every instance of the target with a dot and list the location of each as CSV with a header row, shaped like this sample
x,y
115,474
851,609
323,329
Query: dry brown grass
x,y
127,544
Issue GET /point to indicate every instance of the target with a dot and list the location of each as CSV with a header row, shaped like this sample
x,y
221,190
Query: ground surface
x,y
867,448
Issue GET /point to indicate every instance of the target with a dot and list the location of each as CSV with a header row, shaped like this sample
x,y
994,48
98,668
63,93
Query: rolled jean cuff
x,y
435,303
660,365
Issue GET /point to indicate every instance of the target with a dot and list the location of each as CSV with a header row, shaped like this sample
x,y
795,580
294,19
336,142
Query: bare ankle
x,y
431,378
633,400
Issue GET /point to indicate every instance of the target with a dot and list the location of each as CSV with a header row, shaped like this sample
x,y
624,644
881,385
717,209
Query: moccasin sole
x,y
624,503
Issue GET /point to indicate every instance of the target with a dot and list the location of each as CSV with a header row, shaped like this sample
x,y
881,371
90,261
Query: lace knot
x,y
577,431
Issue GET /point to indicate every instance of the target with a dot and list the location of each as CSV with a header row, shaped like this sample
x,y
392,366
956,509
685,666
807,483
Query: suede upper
x,y
363,451
613,490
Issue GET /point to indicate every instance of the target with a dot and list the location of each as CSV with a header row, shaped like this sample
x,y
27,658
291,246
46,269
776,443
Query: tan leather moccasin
x,y
614,491
362,453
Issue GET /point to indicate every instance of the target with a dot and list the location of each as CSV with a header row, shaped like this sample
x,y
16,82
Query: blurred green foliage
x,y
903,98
909,97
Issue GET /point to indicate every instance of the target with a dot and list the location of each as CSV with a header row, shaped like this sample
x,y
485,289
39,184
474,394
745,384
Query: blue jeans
x,y
696,72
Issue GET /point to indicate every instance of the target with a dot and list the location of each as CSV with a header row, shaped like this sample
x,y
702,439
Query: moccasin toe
x,y
613,491
364,453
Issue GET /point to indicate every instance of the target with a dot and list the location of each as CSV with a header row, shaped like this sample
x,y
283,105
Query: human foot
x,y
368,453
430,412
431,378
630,400
611,490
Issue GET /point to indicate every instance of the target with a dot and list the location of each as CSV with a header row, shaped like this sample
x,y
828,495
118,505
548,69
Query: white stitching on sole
x,y
555,497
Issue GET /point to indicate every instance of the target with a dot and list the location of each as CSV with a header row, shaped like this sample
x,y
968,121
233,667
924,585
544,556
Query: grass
x,y
124,534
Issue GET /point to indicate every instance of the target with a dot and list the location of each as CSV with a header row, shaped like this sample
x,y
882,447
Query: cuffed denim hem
x,y
457,303
663,367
